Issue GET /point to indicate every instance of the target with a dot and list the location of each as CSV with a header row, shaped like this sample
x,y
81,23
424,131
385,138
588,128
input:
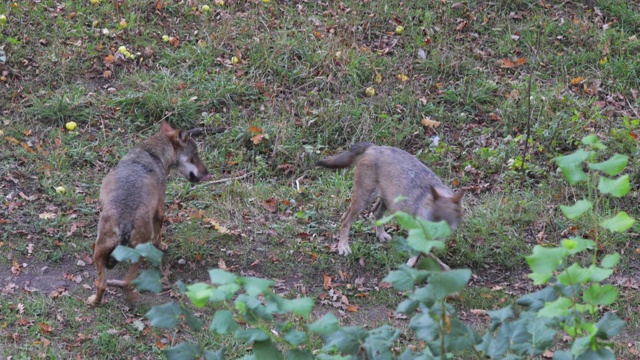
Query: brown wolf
x,y
132,198
392,173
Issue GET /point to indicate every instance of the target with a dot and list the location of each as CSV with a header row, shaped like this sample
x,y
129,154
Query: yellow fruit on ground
x,y
165,38
60,190
71,125
399,29
234,60
205,8
370,91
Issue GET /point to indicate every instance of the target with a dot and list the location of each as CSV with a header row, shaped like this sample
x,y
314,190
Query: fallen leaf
x,y
255,130
577,80
45,328
270,204
403,77
327,281
109,59
521,61
47,216
257,139
221,264
506,63
352,308
430,123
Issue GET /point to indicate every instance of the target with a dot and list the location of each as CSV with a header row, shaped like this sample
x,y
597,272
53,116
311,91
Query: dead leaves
x,y
430,123
508,63
257,133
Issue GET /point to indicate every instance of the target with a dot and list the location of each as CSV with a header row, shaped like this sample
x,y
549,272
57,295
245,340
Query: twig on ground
x,y
206,130
223,180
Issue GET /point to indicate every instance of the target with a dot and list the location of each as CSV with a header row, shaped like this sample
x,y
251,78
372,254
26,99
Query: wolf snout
x,y
195,178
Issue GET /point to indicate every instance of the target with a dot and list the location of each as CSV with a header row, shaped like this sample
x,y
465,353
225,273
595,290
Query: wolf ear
x,y
184,135
436,195
166,128
457,197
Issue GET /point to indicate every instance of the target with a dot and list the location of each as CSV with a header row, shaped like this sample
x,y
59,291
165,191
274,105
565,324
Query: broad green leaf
x,y
346,340
544,261
536,300
251,308
590,139
446,283
225,292
296,354
610,260
609,326
256,286
580,345
251,335
579,208
557,308
499,316
599,274
493,347
164,316
435,230
217,355
405,277
223,322
149,280
418,241
618,187
613,166
407,307
221,277
619,223
562,355
380,341
577,244
325,325
407,221
460,336
598,294
199,294
150,253
301,307
124,253
425,327
600,354
191,320
574,275
266,350
571,166
183,351
542,334
295,337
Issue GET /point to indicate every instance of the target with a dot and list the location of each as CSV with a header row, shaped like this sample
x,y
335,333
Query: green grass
x,y
301,77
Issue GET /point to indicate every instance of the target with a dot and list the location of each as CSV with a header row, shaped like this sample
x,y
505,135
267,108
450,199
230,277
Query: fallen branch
x,y
206,130
223,180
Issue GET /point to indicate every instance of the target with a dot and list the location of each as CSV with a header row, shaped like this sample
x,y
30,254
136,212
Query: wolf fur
x,y
132,198
392,173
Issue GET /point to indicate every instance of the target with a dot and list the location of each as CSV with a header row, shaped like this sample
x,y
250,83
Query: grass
x,y
300,81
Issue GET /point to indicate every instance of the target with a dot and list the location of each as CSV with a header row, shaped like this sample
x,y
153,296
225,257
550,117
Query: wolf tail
x,y
124,238
346,158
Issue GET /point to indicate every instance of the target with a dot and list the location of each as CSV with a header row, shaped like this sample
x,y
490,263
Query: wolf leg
x,y
378,212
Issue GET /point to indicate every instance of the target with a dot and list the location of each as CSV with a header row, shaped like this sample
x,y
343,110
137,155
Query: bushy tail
x,y
346,158
125,237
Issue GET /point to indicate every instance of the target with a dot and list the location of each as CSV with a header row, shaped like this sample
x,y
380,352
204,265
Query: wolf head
x,y
447,208
188,161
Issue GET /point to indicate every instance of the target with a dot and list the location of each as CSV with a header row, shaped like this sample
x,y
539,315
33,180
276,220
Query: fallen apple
x,y
60,190
370,91
71,125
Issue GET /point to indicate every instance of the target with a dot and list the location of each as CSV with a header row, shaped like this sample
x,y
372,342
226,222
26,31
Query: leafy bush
x,y
569,305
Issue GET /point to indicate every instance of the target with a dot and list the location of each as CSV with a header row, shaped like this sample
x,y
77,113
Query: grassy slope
x,y
300,80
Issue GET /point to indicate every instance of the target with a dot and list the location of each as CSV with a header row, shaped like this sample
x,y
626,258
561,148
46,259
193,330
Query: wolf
x,y
132,198
391,174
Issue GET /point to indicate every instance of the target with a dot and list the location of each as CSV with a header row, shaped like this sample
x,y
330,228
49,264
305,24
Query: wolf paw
x,y
92,301
382,235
